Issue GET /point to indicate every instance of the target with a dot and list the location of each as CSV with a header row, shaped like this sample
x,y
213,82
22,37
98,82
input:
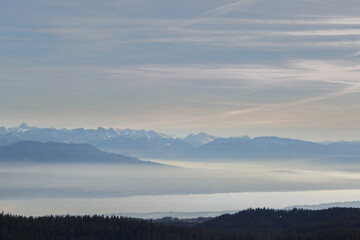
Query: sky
x,y
229,68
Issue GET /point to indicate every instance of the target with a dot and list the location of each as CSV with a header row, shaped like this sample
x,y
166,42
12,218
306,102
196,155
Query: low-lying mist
x,y
26,181
38,189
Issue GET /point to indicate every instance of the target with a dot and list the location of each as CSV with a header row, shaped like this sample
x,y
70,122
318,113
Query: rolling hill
x,y
50,152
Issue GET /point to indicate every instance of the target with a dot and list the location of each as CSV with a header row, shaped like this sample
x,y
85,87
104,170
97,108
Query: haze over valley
x,y
53,165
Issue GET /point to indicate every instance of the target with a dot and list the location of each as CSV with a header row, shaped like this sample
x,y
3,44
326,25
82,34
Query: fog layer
x,y
94,180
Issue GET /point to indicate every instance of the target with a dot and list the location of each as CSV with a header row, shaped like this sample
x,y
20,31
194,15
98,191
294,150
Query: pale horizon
x,y
182,134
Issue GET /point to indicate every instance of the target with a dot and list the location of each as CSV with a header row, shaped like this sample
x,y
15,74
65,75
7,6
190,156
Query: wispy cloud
x,y
227,8
112,33
237,76
233,63
355,54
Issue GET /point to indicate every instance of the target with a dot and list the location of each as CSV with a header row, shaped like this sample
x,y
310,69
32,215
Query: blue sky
x,y
256,67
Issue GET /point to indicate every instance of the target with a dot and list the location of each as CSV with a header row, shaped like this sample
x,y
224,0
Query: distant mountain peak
x,y
200,134
24,126
199,139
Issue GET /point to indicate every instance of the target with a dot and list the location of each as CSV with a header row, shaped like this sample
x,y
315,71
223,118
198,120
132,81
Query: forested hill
x,y
97,228
258,224
333,223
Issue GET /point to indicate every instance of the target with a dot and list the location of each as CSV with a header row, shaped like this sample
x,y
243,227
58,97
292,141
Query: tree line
x,y
96,228
250,224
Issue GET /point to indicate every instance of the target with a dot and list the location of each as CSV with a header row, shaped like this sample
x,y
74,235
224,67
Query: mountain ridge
x,y
321,206
137,143
151,144
272,148
51,152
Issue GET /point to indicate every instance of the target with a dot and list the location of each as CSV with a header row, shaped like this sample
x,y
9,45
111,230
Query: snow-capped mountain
x,y
137,143
141,133
20,129
151,144
3,131
78,135
199,139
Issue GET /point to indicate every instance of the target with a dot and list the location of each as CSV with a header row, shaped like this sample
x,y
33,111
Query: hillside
x,y
335,223
50,152
272,148
251,224
96,227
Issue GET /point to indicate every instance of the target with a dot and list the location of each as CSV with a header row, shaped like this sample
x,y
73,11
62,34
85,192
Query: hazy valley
x,y
50,165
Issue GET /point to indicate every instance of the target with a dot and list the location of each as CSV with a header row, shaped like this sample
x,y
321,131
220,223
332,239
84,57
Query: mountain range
x,y
136,143
152,144
273,148
352,204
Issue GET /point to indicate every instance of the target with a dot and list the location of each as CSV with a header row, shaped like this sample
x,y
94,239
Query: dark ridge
x,y
251,224
272,148
51,152
333,223
97,227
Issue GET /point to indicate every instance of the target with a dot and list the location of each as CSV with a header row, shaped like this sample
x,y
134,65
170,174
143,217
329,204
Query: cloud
x,y
272,64
287,73
98,35
355,54
227,8
188,96
329,32
113,33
